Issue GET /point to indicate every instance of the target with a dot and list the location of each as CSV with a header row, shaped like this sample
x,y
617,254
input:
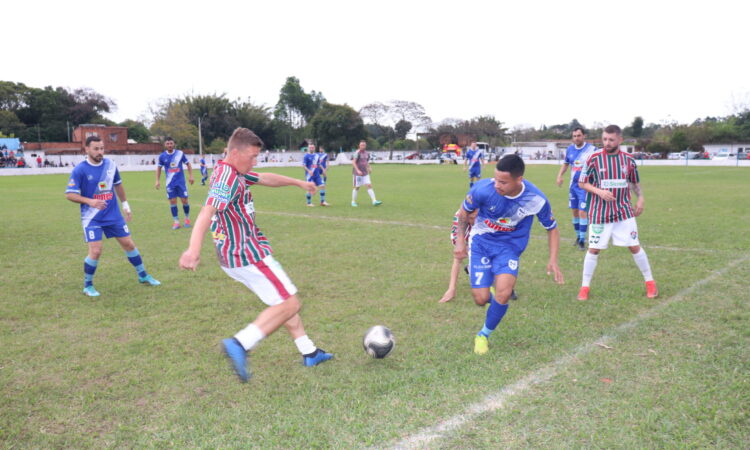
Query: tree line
x,y
49,114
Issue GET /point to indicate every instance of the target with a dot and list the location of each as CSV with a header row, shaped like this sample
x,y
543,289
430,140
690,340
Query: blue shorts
x,y
577,198
177,190
488,261
475,172
93,232
204,171
315,179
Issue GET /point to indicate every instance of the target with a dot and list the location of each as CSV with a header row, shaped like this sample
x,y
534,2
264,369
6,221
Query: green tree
x,y
137,131
296,107
10,124
402,128
173,120
637,127
337,126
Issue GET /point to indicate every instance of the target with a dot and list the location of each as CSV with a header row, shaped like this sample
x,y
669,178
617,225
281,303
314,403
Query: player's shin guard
x,y
589,266
173,209
135,259
371,193
583,228
89,268
354,195
642,261
186,209
495,314
576,226
322,195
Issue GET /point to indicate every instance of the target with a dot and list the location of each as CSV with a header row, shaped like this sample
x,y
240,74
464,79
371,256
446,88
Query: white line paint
x,y
499,399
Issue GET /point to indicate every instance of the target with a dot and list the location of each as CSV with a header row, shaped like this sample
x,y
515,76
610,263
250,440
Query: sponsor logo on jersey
x,y
104,196
597,228
633,235
485,260
220,192
71,183
469,200
173,164
502,224
218,236
173,170
102,186
620,183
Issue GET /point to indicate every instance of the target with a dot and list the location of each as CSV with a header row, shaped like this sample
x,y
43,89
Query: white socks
x,y
305,345
372,195
642,261
589,266
249,337
354,195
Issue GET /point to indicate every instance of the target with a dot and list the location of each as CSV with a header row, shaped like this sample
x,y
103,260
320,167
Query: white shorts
x,y
361,181
266,278
623,234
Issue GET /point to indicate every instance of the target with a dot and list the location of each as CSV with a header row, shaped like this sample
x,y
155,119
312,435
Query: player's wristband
x,y
126,206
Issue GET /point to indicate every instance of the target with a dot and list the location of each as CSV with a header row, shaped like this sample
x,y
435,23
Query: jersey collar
x,y
523,189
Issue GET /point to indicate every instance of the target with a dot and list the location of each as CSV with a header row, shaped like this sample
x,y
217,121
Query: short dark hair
x,y
243,138
513,164
579,129
168,138
613,129
91,139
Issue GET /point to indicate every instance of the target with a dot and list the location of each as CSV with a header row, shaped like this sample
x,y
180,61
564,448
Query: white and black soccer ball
x,y
378,341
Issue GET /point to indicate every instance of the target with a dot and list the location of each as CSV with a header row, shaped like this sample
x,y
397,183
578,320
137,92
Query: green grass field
x,y
141,366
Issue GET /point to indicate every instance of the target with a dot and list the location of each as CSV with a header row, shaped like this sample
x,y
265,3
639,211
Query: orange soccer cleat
x,y
651,290
583,294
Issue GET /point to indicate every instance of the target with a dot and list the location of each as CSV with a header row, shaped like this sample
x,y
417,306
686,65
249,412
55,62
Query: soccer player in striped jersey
x,y
172,160
610,175
244,252
506,206
576,156
95,184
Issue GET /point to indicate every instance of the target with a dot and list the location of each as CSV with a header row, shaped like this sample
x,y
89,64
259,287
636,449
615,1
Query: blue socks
x,y
322,195
89,267
576,226
173,208
135,259
495,314
186,208
583,226
309,198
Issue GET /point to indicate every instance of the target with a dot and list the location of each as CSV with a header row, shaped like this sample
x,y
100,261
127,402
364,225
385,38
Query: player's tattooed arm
x,y
635,188
639,204
460,251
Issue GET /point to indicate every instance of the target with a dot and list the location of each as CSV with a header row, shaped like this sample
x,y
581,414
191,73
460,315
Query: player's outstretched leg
x,y
316,357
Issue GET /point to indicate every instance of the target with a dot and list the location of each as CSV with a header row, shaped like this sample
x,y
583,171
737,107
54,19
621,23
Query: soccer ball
x,y
378,341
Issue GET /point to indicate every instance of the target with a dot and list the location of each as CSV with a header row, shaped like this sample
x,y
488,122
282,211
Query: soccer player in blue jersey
x,y
506,206
323,164
172,160
204,171
311,164
576,156
474,159
95,184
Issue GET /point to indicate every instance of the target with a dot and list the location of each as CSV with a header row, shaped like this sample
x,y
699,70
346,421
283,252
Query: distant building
x,y
115,141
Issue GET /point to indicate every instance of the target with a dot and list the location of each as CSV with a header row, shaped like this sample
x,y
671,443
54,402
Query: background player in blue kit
x,y
204,171
172,161
311,164
95,184
506,206
323,164
474,158
576,156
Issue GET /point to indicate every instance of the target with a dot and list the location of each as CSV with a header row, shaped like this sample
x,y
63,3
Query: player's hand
x,y
448,296
554,270
460,252
128,215
309,186
156,186
97,204
189,261
606,195
559,181
191,180
639,207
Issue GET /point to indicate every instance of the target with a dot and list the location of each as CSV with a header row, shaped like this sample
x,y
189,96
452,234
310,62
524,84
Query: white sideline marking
x,y
499,399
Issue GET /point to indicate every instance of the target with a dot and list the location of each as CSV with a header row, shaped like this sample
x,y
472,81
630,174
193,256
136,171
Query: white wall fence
x,y
142,163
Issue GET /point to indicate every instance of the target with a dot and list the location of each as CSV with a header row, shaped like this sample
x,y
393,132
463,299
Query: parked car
x,y
723,155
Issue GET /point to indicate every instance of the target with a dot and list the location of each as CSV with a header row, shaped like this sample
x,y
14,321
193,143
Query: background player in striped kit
x,y
172,160
576,156
609,176
245,253
95,184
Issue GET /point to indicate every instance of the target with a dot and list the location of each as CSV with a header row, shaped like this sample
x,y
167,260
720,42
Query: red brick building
x,y
115,141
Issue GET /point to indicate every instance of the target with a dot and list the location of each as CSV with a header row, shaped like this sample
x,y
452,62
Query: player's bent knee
x,y
635,249
481,299
292,305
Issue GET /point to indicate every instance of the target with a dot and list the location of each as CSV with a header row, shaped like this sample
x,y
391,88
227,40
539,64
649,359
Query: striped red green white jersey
x,y
239,242
613,173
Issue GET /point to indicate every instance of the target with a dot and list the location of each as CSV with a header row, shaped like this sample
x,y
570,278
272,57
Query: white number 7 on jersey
x,y
479,276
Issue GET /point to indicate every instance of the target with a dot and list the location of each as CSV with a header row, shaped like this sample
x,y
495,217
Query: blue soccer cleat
x,y
90,291
320,356
148,279
377,203
354,204
238,356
